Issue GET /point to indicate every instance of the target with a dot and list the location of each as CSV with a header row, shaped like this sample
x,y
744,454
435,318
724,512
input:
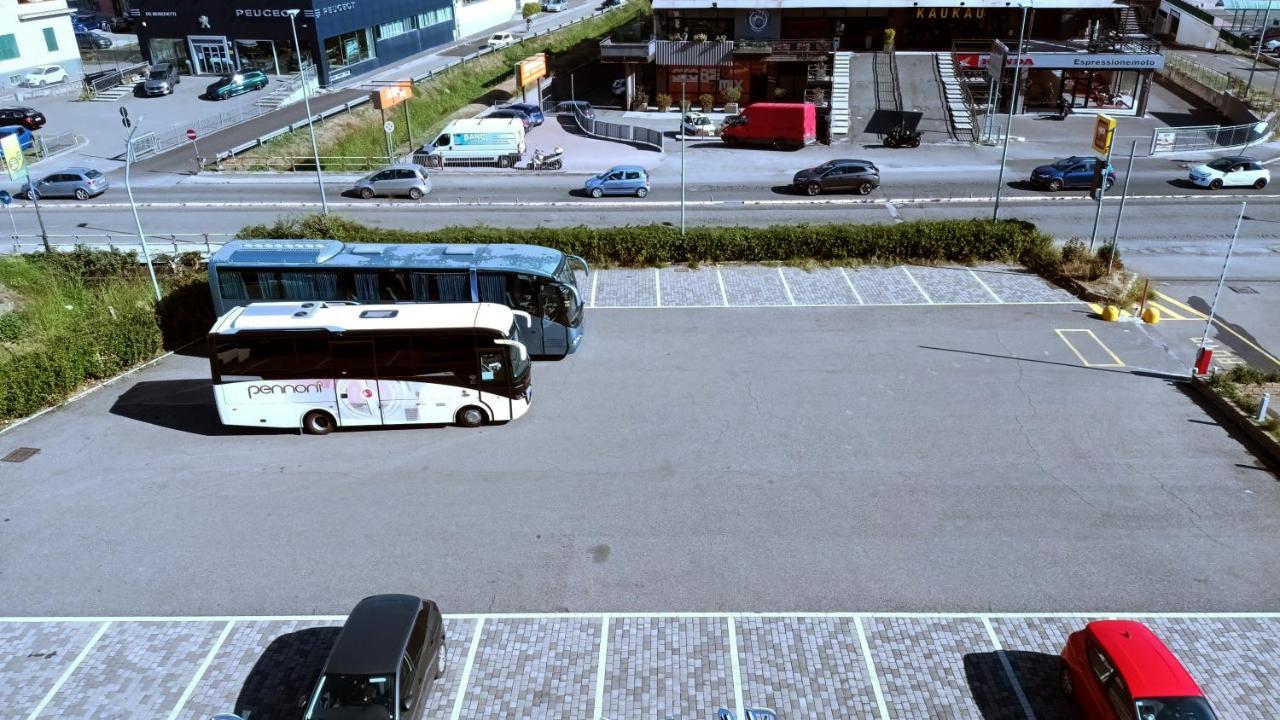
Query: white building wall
x,y
478,16
26,22
1192,31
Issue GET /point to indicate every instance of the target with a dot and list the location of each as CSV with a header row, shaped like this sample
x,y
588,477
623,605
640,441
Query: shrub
x,y
186,311
732,94
530,9
707,101
664,102
699,37
12,327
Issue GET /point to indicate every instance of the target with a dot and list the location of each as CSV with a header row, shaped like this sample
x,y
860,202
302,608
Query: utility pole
x,y
1213,309
128,186
1013,104
1262,38
683,137
1124,195
306,101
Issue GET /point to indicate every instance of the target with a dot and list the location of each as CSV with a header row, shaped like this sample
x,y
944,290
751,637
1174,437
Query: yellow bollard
x,y
1111,313
1151,315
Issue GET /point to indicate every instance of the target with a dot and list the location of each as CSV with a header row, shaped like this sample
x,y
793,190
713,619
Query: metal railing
x,y
1211,137
170,244
1256,98
604,130
113,78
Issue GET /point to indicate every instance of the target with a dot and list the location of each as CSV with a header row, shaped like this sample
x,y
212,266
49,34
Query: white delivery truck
x,y
496,140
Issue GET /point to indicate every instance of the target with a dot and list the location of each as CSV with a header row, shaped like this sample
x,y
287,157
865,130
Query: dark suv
x,y
861,176
29,118
236,83
383,663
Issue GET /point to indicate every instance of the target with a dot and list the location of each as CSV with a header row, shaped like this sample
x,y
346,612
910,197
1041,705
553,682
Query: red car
x,y
1119,670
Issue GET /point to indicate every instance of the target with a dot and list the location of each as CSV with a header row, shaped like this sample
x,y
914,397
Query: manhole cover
x,y
22,454
1243,289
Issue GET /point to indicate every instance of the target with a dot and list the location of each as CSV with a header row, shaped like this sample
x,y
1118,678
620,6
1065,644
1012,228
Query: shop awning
x,y
892,4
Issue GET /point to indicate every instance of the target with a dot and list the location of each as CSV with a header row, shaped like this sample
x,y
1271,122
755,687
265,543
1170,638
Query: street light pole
x,y
306,101
128,187
1124,195
1208,325
1013,104
682,143
1262,38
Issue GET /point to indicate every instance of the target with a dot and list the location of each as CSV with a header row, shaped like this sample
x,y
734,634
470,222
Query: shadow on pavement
x,y
286,671
1037,678
1167,377
1212,412
185,405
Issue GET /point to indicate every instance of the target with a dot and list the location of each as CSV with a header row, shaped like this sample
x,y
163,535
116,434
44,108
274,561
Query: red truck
x,y
782,125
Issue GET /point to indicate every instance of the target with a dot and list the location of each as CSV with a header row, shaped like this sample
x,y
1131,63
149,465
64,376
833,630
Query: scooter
x,y
553,161
900,137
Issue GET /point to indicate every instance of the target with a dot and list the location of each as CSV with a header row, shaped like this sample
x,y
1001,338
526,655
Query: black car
x,y
93,41
236,83
861,176
520,115
29,118
390,651
121,25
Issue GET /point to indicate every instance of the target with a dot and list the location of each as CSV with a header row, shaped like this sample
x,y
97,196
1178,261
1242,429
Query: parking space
x,y
835,665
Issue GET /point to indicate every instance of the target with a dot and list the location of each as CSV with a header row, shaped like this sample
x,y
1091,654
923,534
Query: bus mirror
x,y
576,298
581,262
524,352
528,319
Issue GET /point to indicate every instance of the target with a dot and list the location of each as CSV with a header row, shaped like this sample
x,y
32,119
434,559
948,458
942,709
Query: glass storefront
x,y
348,49
211,55
260,54
170,50
1102,89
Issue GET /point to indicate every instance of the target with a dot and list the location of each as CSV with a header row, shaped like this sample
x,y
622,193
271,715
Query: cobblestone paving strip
x,y
951,285
626,288
457,639
752,286
683,287
819,286
535,668
885,286
804,668
1235,661
665,667
1015,285
924,665
33,657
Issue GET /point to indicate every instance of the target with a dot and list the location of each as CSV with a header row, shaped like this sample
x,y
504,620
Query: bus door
x,y
356,382
555,334
495,381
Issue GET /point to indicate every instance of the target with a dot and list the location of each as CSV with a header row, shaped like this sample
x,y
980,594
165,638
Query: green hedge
x,y
959,241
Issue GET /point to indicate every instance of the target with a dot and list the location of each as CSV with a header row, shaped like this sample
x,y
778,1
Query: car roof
x,y
626,167
1147,666
1236,158
374,636
81,170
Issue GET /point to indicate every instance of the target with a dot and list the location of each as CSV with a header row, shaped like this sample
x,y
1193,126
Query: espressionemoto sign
x,y
1069,61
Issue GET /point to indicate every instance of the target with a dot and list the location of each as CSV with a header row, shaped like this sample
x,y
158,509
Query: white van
x,y
497,140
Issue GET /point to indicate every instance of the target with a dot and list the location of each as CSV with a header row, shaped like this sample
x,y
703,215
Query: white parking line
x,y
871,670
200,671
466,671
852,289
595,280
657,288
601,662
913,282
737,670
785,287
70,669
724,297
986,286
1008,670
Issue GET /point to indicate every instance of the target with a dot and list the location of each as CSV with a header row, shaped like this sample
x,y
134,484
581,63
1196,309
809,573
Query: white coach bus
x,y
319,366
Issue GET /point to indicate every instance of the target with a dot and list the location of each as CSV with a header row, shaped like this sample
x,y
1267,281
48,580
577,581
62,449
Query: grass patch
x,y
1244,386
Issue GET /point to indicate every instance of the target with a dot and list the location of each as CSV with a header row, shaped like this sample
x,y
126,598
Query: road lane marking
x,y
733,664
986,287
601,661
657,288
466,670
595,279
786,289
852,289
928,300
724,298
1220,325
84,652
200,671
1166,313
871,669
1179,304
1062,335
1008,670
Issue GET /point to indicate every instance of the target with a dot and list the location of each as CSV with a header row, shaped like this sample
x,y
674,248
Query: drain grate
x,y
22,454
1243,289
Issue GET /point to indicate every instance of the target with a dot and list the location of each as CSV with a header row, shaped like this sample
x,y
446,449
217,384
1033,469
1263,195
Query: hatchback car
x,y
533,111
237,83
161,80
410,180
45,75
74,182
1072,172
512,114
695,123
554,5
860,176
1119,670
93,22
93,40
29,118
25,139
389,653
619,180
501,40
1231,171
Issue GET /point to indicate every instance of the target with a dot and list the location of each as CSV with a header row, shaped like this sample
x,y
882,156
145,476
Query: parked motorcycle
x,y
900,137
552,161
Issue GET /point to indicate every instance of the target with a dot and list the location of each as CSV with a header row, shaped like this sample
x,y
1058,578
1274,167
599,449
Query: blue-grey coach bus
x,y
535,279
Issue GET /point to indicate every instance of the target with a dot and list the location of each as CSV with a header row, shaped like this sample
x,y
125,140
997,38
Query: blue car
x,y
1072,172
533,111
25,138
619,180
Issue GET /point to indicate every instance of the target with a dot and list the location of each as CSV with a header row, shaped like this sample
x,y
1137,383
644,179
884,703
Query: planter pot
x,y
731,108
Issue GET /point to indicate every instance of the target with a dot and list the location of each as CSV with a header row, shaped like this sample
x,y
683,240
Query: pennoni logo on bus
x,y
286,388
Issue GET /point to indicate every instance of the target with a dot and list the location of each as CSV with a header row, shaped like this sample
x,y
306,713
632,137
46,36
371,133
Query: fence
x,y
1210,137
589,125
171,244
97,82
1255,97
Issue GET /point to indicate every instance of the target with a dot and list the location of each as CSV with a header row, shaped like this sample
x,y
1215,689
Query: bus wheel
x,y
472,416
318,422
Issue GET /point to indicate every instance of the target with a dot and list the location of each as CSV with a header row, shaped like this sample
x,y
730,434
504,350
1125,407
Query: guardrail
x,y
633,134
170,244
113,78
1211,137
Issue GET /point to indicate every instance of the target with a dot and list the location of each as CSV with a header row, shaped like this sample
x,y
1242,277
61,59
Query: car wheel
x,y
729,140
504,161
318,422
597,193
366,193
1215,184
779,144
866,188
555,165
472,416
441,660
1054,185
641,192
1259,183
81,194
1064,682
813,189
1109,184
415,194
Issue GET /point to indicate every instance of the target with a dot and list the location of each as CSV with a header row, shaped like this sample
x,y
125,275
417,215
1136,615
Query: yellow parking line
x,y
1095,308
1165,312
1062,335
1221,326
1179,304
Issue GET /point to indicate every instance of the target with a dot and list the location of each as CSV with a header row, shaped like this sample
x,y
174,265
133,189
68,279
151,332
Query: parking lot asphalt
x,y
657,666
1017,457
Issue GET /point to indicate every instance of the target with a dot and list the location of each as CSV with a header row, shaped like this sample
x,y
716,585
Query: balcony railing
x,y
642,51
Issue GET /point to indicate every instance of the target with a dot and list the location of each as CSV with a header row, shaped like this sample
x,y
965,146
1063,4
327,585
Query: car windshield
x,y
1065,163
92,174
825,166
1223,164
341,697
1191,708
158,74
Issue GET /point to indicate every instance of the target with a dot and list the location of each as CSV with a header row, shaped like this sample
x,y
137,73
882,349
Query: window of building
x,y
8,47
50,40
435,17
395,27
348,49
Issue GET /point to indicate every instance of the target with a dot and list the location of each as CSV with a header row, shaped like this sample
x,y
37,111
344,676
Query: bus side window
x,y
312,356
524,294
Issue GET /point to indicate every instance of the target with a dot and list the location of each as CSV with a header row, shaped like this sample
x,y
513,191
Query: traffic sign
x,y
125,121
5,198
389,127
124,112
13,156
1104,131
191,134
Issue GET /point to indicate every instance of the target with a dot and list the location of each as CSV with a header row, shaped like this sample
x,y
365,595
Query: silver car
x,y
76,182
405,179
160,80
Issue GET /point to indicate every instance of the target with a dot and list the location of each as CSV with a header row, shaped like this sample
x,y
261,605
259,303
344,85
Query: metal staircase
x,y
840,94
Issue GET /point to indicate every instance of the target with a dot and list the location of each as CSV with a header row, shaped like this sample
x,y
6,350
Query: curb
x,y
1259,441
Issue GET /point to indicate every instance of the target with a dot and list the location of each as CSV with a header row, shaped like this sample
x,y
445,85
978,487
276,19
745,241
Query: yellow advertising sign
x,y
1104,131
531,69
390,96
13,157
